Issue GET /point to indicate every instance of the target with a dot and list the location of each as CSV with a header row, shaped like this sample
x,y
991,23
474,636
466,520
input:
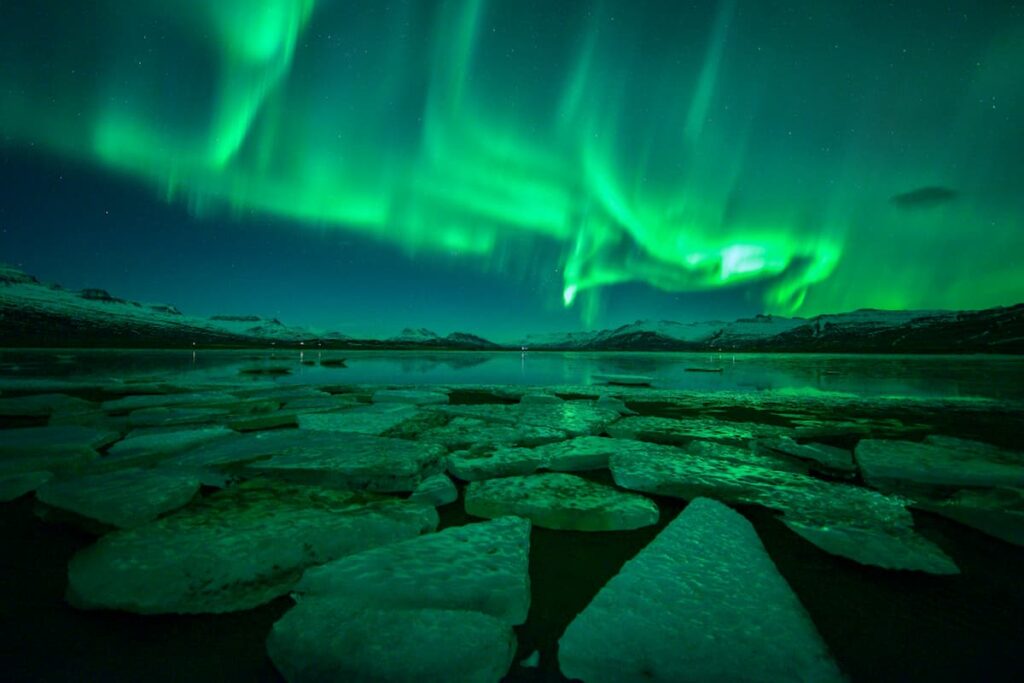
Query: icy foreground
x,y
329,494
236,549
702,602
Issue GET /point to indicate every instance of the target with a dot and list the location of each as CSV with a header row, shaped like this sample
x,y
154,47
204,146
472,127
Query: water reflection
x,y
953,376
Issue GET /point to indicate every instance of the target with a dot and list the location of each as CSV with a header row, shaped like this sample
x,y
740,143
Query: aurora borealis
x,y
801,157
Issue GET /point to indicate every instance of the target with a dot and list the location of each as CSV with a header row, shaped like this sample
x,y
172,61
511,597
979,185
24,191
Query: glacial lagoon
x,y
930,376
253,515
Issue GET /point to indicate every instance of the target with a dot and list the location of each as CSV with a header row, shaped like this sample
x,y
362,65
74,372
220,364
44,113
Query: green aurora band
x,y
743,144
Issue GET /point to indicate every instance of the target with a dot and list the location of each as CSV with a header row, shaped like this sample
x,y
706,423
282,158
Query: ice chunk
x,y
51,448
531,662
560,501
952,463
42,405
613,404
863,525
13,486
288,416
828,456
893,547
326,640
28,440
585,453
236,549
464,433
168,417
373,419
436,490
482,567
145,446
124,498
247,447
539,399
207,399
577,418
286,393
680,431
410,396
322,404
998,512
485,462
702,602
355,461
269,420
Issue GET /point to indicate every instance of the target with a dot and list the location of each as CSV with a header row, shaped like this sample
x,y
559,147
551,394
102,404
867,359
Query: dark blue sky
x,y
504,166
81,227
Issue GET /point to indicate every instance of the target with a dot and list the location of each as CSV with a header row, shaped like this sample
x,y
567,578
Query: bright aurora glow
x,y
815,156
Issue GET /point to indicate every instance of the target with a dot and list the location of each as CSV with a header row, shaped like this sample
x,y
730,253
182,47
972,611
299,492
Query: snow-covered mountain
x,y
37,313
34,313
422,337
411,335
994,330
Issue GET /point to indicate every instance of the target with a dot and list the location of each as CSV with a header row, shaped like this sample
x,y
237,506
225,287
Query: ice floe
x,y
702,602
193,400
680,431
465,433
438,607
576,418
435,490
560,501
860,524
13,486
236,549
949,463
124,498
829,457
410,396
43,405
483,462
372,419
482,567
146,446
354,461
998,512
51,448
327,641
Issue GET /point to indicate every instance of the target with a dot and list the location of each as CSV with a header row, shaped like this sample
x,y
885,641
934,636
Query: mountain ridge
x,y
38,314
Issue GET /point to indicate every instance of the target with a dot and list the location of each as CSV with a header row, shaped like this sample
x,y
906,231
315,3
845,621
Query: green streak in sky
x,y
688,149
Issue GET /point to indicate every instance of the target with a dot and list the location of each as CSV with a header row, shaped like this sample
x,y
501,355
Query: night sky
x,y
516,166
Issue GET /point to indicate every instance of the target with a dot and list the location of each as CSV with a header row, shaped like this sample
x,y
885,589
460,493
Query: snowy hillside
x,y
34,313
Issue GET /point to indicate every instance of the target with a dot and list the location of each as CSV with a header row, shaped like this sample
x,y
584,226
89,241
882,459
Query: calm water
x,y
1000,377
